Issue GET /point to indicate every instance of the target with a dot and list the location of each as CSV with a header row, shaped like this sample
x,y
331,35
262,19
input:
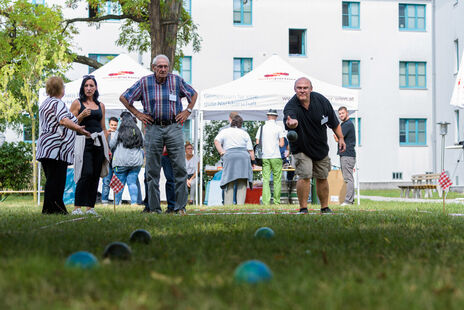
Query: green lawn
x,y
397,193
376,256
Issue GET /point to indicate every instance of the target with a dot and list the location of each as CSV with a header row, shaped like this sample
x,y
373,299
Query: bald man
x,y
309,114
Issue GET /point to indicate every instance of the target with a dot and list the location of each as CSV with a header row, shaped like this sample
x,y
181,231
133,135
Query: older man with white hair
x,y
163,115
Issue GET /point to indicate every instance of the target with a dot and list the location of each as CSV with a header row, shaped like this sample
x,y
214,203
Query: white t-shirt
x,y
234,137
191,164
272,133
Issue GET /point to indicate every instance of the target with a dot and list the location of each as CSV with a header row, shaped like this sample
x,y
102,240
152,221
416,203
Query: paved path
x,y
379,198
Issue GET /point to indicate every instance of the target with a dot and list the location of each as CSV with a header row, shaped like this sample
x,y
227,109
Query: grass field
x,y
397,193
376,256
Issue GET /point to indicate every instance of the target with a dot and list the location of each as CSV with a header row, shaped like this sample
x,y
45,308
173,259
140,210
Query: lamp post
x,y
443,132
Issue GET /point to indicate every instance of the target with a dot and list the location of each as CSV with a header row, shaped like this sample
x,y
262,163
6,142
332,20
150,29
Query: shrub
x,y
15,166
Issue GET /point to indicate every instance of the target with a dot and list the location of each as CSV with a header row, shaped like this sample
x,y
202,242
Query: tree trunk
x,y
164,24
34,161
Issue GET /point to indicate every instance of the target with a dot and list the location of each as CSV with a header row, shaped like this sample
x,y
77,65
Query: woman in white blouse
x,y
235,147
55,146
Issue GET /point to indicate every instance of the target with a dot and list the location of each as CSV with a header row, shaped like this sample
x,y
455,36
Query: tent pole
x,y
201,158
195,139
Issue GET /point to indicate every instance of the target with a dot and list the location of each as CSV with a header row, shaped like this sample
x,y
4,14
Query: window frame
x,y
456,51
406,132
416,18
350,15
303,42
407,86
242,12
350,73
181,73
242,66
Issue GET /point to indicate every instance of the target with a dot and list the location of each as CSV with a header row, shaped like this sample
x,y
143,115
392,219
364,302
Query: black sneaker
x,y
303,211
169,211
146,210
326,210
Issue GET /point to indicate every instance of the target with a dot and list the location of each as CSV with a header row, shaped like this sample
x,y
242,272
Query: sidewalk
x,y
380,198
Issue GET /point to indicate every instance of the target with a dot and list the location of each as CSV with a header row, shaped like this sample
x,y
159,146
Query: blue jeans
x,y
129,175
156,138
106,185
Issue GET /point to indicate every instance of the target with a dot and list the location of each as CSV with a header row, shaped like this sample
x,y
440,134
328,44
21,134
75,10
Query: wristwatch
x,y
189,110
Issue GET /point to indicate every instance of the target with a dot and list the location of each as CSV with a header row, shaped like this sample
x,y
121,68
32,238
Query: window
x,y
352,119
397,175
186,69
412,74
101,58
456,52
242,12
350,73
297,42
188,6
242,66
109,8
412,131
412,17
350,15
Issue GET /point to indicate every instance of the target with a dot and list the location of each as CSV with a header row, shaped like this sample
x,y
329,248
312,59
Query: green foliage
x,y
15,166
210,154
27,31
136,30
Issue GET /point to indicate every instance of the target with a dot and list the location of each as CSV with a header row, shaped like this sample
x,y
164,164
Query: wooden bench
x,y
421,182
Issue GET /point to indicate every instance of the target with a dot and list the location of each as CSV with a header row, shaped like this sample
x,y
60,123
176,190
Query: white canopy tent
x,y
269,86
457,98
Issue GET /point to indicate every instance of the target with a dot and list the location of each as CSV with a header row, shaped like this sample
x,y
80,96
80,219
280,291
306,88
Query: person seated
x,y
193,166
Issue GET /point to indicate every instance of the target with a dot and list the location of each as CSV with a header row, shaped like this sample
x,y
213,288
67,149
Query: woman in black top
x,y
90,113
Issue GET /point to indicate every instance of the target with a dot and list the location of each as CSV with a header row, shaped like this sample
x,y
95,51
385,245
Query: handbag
x,y
258,149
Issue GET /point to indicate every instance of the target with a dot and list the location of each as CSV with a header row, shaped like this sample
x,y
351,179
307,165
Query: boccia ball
x,y
140,236
82,259
252,272
292,136
264,233
117,250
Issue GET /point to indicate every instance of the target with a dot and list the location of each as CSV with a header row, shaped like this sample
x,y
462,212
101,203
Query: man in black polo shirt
x,y
309,113
348,157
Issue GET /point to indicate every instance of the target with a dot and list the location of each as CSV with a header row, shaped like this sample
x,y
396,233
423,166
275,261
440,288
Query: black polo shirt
x,y
349,134
312,125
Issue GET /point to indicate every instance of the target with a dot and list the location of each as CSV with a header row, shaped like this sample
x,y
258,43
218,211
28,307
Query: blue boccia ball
x,y
264,233
252,272
82,259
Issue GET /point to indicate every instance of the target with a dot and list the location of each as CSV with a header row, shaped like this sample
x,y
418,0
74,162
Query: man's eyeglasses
x,y
90,76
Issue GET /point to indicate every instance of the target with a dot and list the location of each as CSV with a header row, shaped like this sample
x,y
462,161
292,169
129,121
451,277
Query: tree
x,y
158,26
32,47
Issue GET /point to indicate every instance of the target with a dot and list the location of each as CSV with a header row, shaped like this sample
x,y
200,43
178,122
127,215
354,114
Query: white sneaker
x,y
346,204
91,212
77,212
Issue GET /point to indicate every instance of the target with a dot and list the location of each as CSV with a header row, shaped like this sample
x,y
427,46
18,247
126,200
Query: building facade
x,y
382,48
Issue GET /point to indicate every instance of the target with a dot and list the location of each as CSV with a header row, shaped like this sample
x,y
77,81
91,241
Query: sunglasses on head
x,y
90,76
